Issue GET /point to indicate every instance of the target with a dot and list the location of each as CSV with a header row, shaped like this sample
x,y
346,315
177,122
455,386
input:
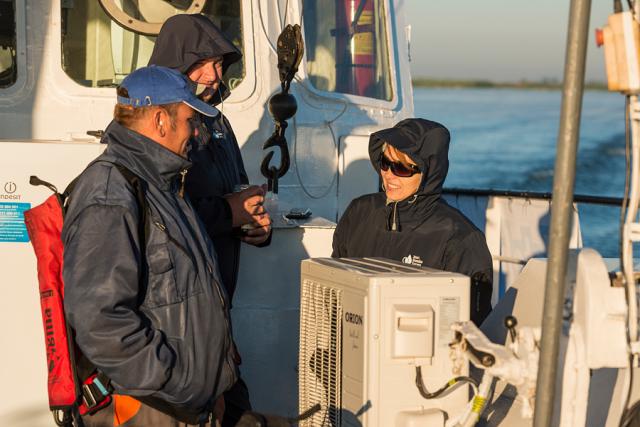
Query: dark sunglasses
x,y
397,168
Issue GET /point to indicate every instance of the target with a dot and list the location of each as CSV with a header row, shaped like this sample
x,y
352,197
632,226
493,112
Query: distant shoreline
x,y
486,84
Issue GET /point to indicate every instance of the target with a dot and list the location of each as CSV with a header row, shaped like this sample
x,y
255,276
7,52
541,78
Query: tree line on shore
x,y
549,84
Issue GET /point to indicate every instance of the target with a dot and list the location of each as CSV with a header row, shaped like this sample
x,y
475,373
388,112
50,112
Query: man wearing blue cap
x,y
142,288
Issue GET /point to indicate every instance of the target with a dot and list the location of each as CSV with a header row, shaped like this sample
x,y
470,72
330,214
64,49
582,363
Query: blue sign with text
x,y
12,227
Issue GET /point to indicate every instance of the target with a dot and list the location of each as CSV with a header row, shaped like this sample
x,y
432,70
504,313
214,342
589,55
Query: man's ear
x,y
160,121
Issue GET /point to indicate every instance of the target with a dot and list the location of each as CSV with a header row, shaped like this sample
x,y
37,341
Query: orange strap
x,y
124,408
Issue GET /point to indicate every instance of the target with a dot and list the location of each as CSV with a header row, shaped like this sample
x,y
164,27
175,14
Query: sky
x,y
497,40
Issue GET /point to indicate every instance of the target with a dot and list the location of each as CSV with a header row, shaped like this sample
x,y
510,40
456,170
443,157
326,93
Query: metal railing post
x,y
561,209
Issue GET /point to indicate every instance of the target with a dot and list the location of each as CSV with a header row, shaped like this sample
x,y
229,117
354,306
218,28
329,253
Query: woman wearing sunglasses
x,y
409,221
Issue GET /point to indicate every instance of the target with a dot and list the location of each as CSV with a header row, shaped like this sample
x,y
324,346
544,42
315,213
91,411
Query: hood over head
x,y
186,39
425,142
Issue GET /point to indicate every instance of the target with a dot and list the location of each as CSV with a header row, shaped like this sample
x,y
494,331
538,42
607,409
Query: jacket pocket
x,y
171,319
186,282
162,288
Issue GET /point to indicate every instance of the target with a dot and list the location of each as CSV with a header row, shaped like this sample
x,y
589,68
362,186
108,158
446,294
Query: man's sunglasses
x,y
397,168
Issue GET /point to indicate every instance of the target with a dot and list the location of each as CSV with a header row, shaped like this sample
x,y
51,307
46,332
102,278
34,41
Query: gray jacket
x,y
151,315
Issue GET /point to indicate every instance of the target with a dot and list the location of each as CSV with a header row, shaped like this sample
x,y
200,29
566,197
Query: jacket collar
x,y
409,214
143,156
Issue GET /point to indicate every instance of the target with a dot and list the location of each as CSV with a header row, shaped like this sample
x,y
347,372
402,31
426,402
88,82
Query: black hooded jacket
x,y
423,229
217,162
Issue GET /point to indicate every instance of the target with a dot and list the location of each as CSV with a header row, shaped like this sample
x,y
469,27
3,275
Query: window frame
x,y
359,99
13,91
68,86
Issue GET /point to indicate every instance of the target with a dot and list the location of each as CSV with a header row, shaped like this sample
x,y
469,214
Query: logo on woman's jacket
x,y
412,260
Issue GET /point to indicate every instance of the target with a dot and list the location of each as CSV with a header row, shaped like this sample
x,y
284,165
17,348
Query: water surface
x,y
505,139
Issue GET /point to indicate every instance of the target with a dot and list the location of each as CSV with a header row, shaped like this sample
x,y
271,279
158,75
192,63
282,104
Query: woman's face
x,y
399,188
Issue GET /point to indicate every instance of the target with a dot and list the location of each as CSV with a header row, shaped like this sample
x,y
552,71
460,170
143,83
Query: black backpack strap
x,y
139,186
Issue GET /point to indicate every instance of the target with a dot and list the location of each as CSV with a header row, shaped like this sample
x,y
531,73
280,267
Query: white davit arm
x,y
516,364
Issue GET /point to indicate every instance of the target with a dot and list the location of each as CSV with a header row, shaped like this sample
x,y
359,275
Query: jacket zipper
x,y
229,343
228,338
179,245
394,227
163,228
183,174
217,286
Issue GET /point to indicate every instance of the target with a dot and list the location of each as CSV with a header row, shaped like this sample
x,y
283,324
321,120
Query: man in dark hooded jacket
x,y
409,221
194,46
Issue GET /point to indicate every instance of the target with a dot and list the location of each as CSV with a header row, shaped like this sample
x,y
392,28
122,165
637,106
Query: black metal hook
x,y
273,173
282,105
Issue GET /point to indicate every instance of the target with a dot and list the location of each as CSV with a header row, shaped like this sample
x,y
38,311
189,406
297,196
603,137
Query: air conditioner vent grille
x,y
320,360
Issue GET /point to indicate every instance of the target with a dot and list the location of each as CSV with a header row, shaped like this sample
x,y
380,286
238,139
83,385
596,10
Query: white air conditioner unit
x,y
365,323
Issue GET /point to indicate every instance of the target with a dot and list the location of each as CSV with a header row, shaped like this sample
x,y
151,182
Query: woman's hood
x,y
187,39
425,142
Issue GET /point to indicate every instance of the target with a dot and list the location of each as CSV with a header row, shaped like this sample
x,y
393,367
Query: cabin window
x,y
98,52
347,47
8,68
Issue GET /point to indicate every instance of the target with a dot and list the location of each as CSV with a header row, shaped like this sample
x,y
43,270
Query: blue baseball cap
x,y
156,85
